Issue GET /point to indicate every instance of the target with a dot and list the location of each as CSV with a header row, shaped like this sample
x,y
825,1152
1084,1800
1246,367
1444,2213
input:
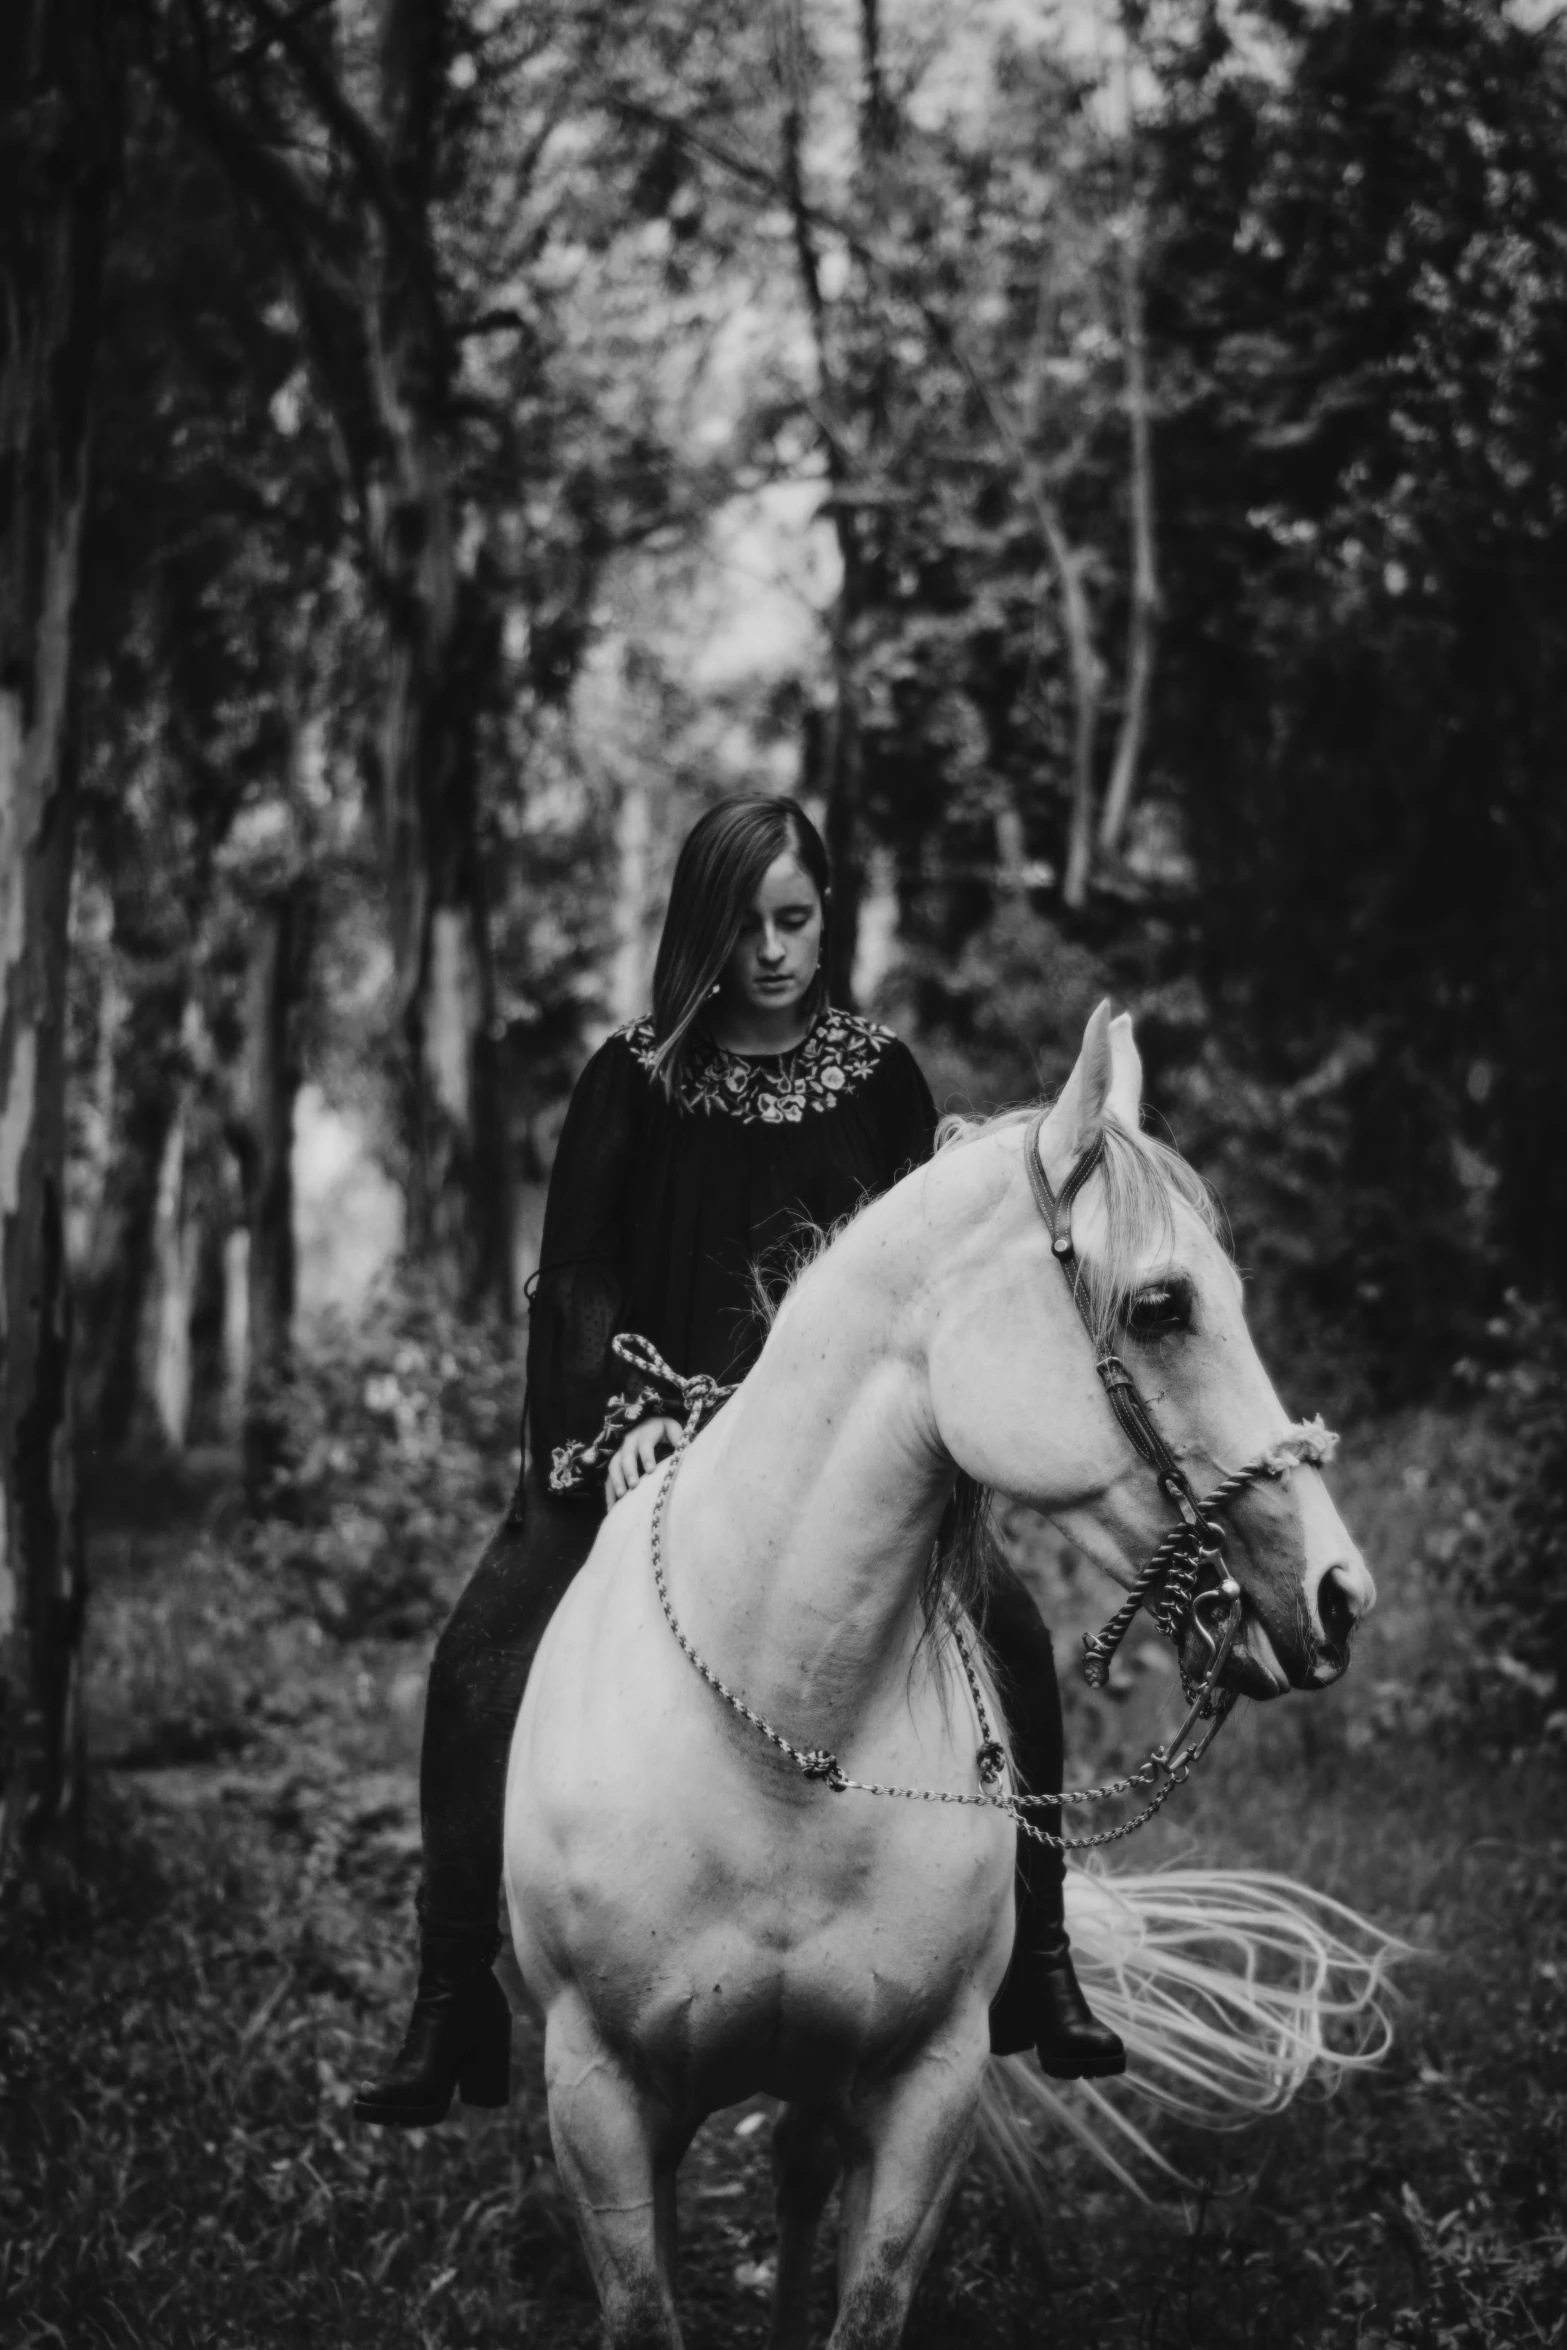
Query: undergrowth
x,y
1516,1562
182,2021
179,2168
401,1452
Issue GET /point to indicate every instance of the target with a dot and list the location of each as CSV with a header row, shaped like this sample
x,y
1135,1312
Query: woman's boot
x,y
1069,2040
458,2040
1040,2004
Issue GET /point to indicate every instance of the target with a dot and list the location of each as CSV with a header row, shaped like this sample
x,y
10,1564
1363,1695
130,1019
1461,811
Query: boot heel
x,y
485,2078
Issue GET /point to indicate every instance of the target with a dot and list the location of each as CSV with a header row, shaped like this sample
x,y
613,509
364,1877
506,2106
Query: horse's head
x,y
1019,1406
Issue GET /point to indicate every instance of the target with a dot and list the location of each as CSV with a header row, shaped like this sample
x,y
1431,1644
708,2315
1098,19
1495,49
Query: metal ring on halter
x,y
1228,1594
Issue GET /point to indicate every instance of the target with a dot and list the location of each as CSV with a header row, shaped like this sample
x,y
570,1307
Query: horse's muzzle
x,y
1269,1662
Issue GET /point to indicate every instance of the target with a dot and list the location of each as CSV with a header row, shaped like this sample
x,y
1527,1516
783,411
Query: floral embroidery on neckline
x,y
776,1089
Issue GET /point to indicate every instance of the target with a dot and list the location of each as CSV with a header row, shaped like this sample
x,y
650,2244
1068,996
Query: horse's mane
x,y
1143,1181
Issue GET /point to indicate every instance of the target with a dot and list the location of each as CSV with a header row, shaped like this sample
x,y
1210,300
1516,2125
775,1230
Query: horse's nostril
x,y
1337,1610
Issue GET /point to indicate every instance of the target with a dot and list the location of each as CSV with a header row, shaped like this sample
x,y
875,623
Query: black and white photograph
x,y
783,1175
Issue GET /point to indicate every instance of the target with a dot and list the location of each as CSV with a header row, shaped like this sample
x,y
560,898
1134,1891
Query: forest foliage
x,y
1146,425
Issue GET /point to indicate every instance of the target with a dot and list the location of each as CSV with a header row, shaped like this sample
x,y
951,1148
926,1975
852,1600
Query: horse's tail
x,y
1231,1989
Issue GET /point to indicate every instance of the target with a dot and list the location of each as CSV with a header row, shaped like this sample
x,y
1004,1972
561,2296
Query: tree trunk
x,y
845,760
459,1187
1077,619
458,1180
149,1076
1077,616
1083,659
56,165
459,1199
157,902
385,367
630,970
1143,618
166,1376
262,1134
214,1215
845,773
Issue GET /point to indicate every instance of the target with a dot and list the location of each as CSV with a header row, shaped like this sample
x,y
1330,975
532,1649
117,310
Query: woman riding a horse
x,y
698,1147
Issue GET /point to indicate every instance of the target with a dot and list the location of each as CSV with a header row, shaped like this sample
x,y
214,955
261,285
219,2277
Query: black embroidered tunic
x,y
659,1210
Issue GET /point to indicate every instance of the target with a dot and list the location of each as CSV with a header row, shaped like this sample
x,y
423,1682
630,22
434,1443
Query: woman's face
x,y
780,943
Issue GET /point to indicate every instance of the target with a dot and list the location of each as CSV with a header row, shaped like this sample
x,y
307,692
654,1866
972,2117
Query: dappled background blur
x,y
1109,461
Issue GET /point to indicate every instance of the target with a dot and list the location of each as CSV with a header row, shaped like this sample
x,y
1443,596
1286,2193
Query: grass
x,y
182,2021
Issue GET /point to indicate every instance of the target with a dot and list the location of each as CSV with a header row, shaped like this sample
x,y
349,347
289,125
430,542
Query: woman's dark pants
x,y
1024,1658
476,1683
481,1665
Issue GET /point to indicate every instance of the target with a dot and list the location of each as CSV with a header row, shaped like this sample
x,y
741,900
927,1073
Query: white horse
x,y
697,1918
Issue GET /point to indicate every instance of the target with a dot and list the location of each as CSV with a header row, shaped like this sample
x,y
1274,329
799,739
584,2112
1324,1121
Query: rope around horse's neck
x,y
1154,1777
816,1762
1166,1585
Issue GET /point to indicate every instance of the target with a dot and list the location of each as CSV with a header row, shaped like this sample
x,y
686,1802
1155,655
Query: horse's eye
x,y
1160,1309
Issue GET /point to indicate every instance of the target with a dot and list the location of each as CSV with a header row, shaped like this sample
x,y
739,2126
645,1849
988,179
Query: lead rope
x,y
816,1762
1166,1585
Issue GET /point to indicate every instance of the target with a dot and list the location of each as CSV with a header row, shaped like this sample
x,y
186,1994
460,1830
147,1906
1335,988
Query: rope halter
x,y
1167,1585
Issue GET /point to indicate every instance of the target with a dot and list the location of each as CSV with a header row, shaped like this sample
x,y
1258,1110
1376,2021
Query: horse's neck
x,y
799,1530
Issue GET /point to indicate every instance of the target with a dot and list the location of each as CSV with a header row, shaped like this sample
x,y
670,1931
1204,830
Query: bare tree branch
x,y
875,119
492,322
1067,563
740,167
1143,616
310,239
254,51
843,780
337,111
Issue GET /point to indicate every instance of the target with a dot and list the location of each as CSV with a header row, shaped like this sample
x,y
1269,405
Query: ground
x,y
184,2017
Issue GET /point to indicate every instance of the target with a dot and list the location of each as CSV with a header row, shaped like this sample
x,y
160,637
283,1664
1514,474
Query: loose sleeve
x,y
580,1288
906,1115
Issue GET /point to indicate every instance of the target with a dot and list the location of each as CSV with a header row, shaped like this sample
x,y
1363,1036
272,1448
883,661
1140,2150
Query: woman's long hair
x,y
717,874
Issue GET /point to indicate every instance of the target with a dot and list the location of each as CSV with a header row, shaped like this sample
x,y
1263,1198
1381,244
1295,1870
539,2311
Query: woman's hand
x,y
636,1456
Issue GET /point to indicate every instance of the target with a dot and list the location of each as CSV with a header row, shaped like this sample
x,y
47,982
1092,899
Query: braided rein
x,y
1167,1767
1167,1586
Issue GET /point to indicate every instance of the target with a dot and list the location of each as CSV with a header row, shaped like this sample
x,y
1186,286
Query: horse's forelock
x,y
1144,1183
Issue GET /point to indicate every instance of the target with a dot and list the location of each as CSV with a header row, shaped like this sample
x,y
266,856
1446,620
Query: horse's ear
x,y
1125,1098
1080,1106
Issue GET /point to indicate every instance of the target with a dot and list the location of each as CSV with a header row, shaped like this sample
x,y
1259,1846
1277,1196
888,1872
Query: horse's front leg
x,y
905,2144
618,2150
